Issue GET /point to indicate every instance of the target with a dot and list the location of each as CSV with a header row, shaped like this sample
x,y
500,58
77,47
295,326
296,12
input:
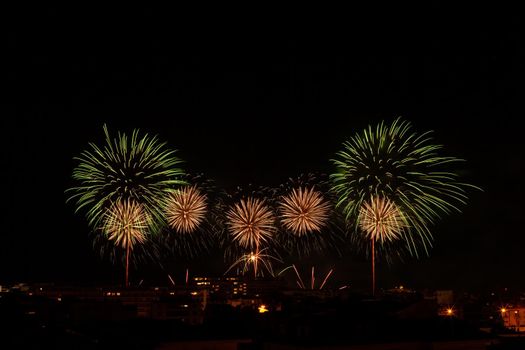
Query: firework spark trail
x,y
185,209
299,280
301,283
303,211
171,279
326,278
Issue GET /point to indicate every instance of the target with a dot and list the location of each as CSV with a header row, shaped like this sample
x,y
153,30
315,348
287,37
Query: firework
x,y
394,184
394,163
193,216
185,209
126,224
303,210
137,167
250,223
307,222
255,259
380,220
299,280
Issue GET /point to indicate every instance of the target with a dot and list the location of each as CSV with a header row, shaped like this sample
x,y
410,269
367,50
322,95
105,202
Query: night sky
x,y
245,103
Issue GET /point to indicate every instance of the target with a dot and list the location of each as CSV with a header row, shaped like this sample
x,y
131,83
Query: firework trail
x,y
299,280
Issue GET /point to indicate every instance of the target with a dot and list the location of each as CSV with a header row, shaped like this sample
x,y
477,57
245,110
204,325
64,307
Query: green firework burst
x,y
393,162
139,168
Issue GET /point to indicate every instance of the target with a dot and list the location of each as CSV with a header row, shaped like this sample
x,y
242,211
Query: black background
x,y
248,100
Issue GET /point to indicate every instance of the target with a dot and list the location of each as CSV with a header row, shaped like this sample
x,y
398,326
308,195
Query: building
x,y
514,318
222,287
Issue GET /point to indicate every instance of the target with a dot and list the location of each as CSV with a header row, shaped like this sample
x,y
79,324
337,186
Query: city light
x,y
263,309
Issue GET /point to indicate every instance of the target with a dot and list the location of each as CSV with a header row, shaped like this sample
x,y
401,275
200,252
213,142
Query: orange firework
x,y
250,222
126,223
303,211
185,209
381,220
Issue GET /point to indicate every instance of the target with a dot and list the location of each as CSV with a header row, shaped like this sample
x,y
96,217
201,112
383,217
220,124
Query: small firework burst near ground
x,y
254,260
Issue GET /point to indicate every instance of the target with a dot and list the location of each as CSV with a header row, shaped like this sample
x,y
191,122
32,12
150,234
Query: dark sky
x,y
251,103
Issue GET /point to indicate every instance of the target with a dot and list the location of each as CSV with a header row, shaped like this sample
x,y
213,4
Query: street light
x,y
503,313
263,309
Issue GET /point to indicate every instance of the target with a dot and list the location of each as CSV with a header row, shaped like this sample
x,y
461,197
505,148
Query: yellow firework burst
x,y
126,223
185,209
250,222
381,220
303,211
